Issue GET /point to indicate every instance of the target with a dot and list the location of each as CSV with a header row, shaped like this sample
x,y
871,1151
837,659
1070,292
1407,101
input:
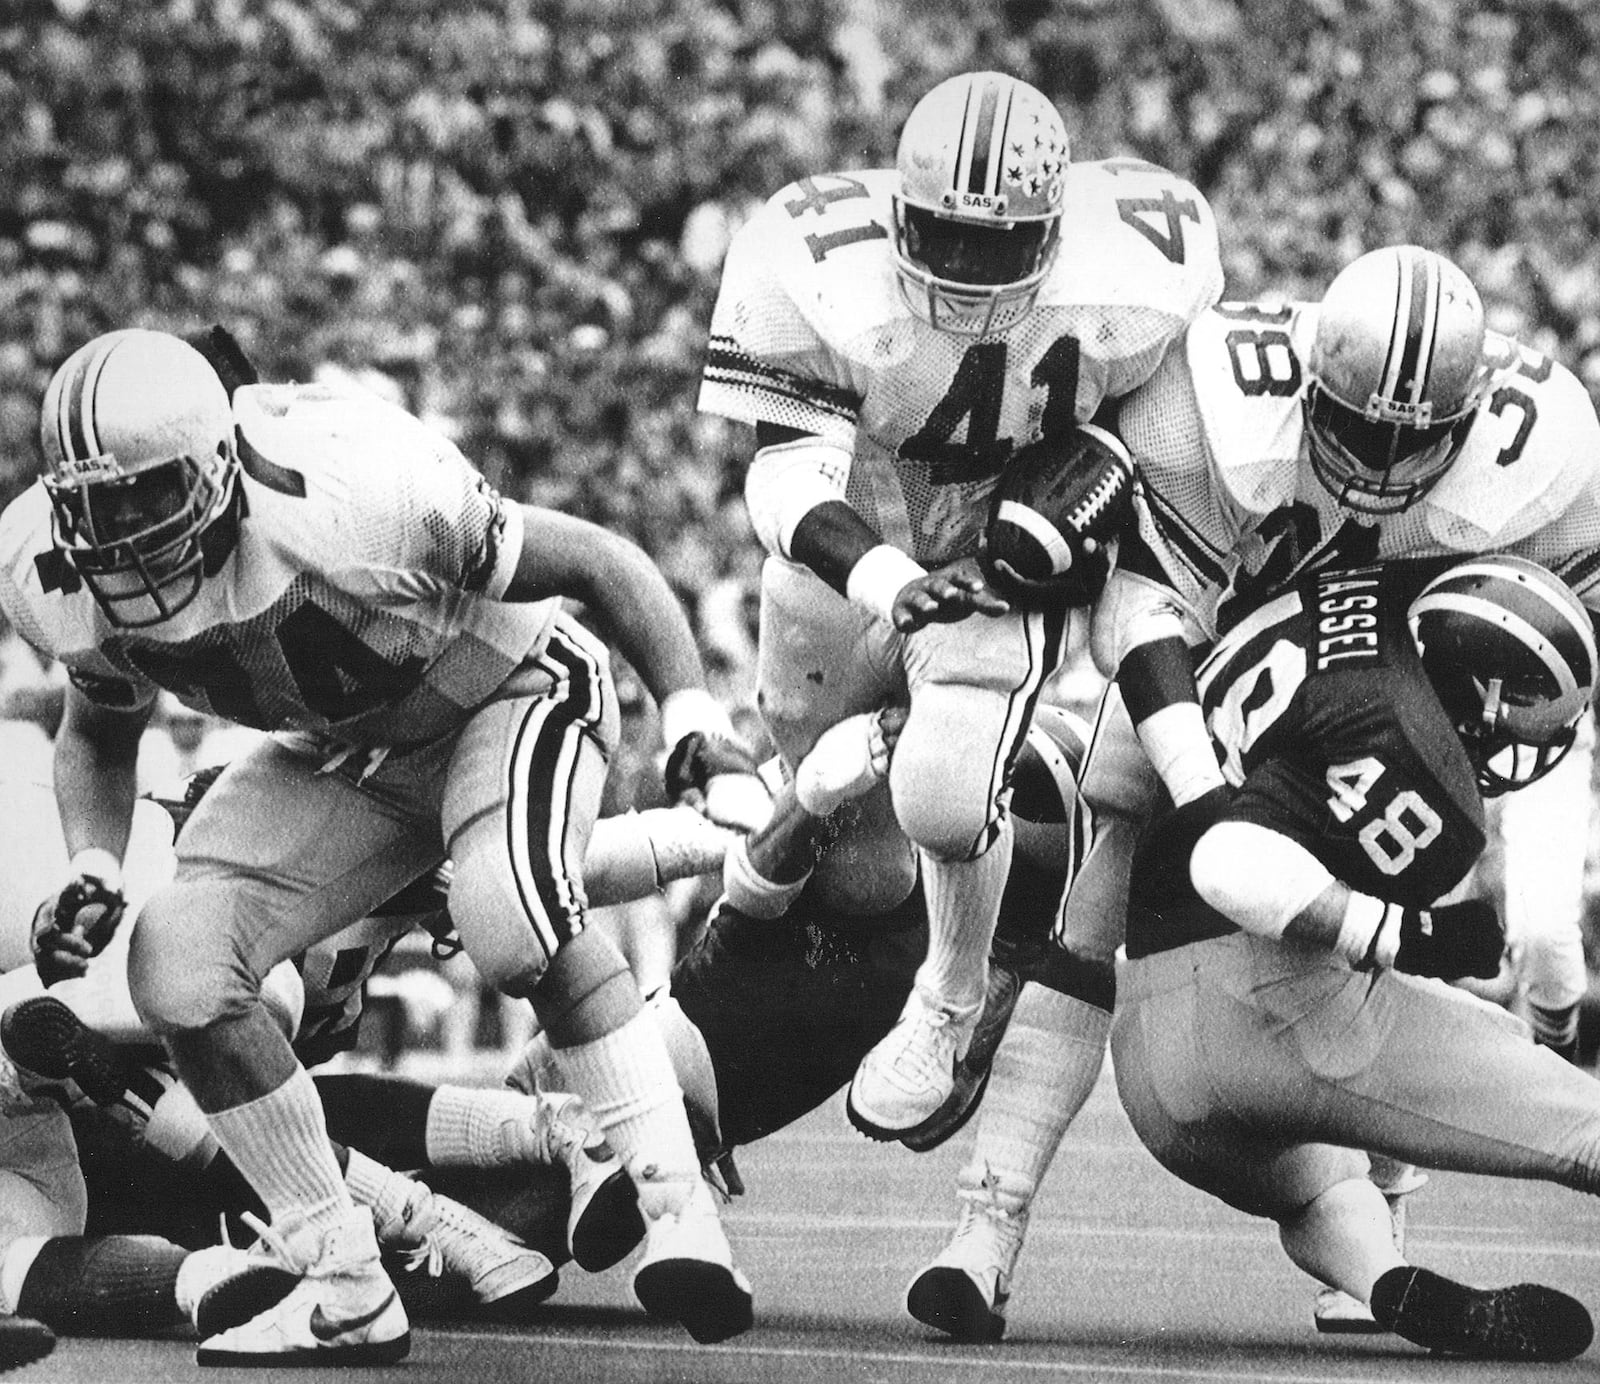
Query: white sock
x,y
628,1084
279,1143
1044,1069
963,906
1344,1237
384,1192
480,1127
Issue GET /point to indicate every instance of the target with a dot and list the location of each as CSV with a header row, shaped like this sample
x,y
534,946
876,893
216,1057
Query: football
x,y
1055,515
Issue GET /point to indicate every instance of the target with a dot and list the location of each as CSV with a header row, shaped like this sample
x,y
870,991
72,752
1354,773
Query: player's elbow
x,y
786,482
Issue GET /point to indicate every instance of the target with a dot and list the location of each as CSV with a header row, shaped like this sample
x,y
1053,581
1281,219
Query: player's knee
x,y
947,825
496,930
181,977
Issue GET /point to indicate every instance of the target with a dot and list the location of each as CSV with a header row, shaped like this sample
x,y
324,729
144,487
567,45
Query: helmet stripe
x,y
985,157
1570,612
1495,614
1416,316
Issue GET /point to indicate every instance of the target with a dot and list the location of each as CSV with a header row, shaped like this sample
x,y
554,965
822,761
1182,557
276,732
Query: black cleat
x,y
45,1037
1523,1322
23,1340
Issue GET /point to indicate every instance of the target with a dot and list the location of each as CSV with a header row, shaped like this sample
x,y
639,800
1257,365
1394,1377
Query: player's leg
x,y
523,794
1545,832
973,686
1228,1120
1044,1074
278,856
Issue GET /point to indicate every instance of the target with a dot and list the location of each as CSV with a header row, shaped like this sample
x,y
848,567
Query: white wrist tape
x,y
99,863
693,709
1257,878
1370,929
878,577
752,892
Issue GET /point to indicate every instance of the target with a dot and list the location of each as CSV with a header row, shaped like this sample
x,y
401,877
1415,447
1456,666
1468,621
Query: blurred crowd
x,y
510,214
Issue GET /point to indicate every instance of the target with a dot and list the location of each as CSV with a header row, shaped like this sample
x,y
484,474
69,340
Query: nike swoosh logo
x,y
326,1328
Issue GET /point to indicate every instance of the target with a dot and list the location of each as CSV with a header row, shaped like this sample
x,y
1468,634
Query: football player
x,y
1273,1017
897,336
137,1158
1383,421
324,566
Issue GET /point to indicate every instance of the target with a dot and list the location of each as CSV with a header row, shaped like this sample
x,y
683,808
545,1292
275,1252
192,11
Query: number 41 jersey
x,y
353,593
811,331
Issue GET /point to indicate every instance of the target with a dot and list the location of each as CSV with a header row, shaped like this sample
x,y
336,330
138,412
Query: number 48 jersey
x,y
811,331
1326,723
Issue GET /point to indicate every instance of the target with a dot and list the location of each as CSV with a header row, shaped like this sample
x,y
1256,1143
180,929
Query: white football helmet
x,y
139,461
1396,376
1511,653
977,218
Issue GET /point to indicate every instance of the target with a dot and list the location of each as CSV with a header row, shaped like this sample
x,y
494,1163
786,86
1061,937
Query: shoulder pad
x,y
1246,360
823,243
1136,236
1534,447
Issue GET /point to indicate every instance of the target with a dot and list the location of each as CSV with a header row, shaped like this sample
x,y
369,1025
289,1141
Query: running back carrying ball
x,y
1058,507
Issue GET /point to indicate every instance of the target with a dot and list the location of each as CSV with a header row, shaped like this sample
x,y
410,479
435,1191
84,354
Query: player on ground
x,y
897,336
325,567
1271,1022
1384,421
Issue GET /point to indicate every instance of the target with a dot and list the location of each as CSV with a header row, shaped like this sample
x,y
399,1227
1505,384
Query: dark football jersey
x,y
1327,727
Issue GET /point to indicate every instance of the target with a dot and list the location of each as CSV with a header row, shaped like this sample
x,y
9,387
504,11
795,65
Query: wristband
x,y
879,576
692,709
1365,938
97,863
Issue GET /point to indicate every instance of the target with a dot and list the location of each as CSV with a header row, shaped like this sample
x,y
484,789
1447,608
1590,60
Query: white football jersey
x,y
358,598
1233,510
812,331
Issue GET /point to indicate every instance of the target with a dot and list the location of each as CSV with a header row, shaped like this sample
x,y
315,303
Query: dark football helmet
x,y
977,218
139,461
1396,376
1511,653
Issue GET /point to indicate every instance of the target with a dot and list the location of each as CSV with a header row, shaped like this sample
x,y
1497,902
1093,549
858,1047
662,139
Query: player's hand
x,y
73,925
945,595
1452,941
849,759
716,775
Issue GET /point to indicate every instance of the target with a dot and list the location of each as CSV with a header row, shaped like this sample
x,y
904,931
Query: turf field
x,y
1128,1276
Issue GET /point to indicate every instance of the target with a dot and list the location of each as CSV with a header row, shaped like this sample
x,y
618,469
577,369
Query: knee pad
x,y
947,825
495,927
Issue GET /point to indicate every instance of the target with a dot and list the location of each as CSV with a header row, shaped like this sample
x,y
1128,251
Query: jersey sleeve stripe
x,y
729,367
1188,544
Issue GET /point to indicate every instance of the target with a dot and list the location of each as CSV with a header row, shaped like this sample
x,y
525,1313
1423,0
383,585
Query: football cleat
x,y
604,1224
964,1291
1525,1322
45,1037
972,1071
220,1286
904,1082
687,1274
436,1234
23,1340
343,1311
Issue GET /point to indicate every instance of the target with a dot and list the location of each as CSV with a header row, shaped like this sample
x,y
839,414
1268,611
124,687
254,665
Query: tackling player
x,y
324,566
1271,1022
1281,437
897,336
